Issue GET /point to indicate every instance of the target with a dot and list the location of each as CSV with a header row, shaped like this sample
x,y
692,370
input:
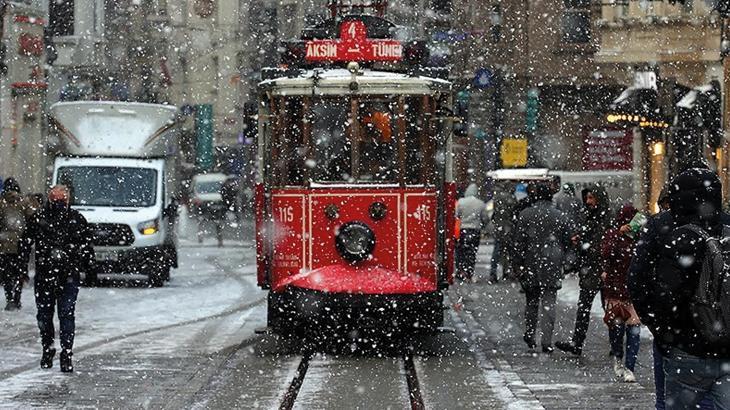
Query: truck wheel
x,y
91,279
157,278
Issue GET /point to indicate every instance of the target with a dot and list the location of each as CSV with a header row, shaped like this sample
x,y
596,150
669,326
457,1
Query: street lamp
x,y
495,18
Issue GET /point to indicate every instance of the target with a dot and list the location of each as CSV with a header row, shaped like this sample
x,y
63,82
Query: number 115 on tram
x,y
355,200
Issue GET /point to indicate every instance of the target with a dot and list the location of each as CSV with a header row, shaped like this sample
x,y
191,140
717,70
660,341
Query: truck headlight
x,y
149,227
355,241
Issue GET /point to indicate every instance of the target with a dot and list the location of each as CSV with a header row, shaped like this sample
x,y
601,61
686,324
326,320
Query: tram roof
x,y
337,82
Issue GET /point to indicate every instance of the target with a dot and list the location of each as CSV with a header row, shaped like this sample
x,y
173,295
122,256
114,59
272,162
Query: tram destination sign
x,y
353,45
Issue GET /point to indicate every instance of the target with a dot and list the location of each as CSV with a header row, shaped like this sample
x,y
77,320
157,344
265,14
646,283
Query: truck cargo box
x,y
115,129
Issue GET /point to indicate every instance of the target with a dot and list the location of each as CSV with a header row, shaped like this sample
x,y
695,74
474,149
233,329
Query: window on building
x,y
61,17
576,21
441,6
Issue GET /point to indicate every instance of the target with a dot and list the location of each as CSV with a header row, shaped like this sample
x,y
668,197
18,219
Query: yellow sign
x,y
513,152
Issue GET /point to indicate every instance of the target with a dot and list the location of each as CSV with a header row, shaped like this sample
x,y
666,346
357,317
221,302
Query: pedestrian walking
x,y
63,250
542,234
663,279
593,225
620,317
14,211
504,201
472,212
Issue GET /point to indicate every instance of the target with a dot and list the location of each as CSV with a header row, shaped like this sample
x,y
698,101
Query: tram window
x,y
377,146
353,140
289,143
330,121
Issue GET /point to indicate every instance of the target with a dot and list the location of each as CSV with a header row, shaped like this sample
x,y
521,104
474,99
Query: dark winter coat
x,y
664,272
14,210
62,242
593,224
542,234
617,250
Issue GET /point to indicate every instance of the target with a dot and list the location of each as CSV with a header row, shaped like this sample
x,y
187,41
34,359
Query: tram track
x,y
415,398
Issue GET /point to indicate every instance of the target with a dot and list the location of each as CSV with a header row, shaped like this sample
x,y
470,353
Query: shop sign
x,y
513,152
353,45
608,150
30,45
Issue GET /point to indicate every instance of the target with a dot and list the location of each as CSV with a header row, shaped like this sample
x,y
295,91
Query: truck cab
x,y
119,164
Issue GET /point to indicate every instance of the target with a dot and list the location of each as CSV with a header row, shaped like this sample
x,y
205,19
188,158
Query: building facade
x,y
679,46
23,94
527,71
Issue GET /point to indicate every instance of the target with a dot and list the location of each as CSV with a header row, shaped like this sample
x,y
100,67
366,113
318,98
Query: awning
x,y
637,106
700,109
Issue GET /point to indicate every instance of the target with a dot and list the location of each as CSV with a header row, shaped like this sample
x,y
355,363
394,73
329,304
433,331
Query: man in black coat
x,y
542,234
594,222
63,250
662,280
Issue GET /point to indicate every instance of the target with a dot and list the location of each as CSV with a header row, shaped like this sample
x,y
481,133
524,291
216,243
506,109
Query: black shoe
x,y
493,279
547,349
11,306
65,360
47,358
569,348
530,342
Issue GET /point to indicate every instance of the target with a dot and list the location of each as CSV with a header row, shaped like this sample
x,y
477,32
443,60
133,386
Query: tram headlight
x,y
355,241
378,210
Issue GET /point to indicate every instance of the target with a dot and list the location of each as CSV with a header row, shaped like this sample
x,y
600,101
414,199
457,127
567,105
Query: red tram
x,y
355,199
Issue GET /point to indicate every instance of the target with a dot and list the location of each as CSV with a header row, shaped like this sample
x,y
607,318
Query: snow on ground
x,y
210,281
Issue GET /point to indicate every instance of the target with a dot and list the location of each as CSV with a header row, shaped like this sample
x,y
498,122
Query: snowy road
x,y
191,344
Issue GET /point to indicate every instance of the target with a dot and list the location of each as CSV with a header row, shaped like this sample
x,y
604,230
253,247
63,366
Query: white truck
x,y
119,161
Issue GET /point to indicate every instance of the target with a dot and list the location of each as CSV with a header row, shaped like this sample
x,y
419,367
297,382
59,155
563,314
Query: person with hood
x,y
472,212
542,234
662,281
14,211
63,251
593,224
621,318
568,203
504,200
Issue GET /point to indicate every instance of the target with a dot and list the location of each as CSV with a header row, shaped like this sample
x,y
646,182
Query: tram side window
x,y
291,148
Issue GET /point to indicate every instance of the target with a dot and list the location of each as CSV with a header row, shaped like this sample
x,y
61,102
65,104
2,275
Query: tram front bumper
x,y
315,311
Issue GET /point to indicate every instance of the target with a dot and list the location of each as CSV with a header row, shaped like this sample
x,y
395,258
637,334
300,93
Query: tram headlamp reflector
x,y
378,211
355,241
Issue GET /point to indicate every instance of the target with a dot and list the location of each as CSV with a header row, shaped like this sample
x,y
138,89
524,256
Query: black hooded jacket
x,y
593,225
665,270
62,240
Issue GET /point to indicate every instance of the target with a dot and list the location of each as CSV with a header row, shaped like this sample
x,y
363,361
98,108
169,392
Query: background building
x,y
527,71
22,93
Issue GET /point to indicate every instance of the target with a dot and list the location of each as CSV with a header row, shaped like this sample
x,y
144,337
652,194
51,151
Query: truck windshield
x,y
208,187
110,186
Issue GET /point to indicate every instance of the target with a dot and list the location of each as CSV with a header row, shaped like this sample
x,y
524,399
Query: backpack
x,y
710,305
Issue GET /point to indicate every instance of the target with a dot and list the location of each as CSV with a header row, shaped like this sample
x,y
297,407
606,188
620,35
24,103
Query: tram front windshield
x,y
354,140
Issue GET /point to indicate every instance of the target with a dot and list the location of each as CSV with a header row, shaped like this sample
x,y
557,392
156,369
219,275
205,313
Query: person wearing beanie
x,y
662,280
542,234
63,249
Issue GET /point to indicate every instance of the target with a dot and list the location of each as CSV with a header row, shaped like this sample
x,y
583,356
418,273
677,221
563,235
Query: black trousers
x,y
11,274
583,316
466,251
535,296
49,297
